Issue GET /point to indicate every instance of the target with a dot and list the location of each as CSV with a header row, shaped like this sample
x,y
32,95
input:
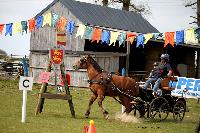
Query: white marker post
x,y
123,74
25,83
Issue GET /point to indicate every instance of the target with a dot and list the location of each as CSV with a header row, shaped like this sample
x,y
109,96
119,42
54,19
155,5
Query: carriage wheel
x,y
159,109
179,111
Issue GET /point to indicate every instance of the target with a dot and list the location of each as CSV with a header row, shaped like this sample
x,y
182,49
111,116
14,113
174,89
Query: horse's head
x,y
81,64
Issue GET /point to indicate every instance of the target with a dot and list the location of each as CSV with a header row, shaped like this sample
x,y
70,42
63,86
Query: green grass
x,y
56,117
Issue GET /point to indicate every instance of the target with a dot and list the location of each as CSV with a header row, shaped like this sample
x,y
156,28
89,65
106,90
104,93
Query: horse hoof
x,y
106,116
87,114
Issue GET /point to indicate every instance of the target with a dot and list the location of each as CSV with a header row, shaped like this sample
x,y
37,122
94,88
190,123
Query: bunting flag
x,y
155,36
47,19
61,24
39,22
17,28
61,38
24,26
147,37
96,35
122,38
131,37
190,37
88,33
105,36
140,40
169,38
71,27
55,18
32,23
179,37
113,37
81,30
9,29
1,28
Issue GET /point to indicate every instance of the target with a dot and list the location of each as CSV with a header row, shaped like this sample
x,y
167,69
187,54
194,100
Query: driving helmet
x,y
165,57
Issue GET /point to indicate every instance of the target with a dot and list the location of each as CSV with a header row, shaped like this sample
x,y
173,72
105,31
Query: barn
x,y
110,58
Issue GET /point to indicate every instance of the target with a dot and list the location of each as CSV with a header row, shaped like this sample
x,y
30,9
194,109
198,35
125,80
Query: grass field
x,y
56,117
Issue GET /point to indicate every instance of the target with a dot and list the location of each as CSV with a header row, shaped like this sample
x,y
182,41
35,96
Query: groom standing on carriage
x,y
160,71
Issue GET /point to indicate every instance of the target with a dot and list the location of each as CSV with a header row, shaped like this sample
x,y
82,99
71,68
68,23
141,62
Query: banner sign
x,y
44,77
61,38
56,56
191,85
62,82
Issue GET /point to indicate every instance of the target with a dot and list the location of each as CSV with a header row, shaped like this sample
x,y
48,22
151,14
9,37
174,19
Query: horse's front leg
x,y
100,100
92,99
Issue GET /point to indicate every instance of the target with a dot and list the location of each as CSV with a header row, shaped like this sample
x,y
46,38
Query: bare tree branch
x,y
190,4
194,22
193,17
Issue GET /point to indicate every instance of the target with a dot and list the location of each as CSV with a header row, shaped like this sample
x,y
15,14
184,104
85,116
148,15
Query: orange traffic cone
x,y
91,128
85,129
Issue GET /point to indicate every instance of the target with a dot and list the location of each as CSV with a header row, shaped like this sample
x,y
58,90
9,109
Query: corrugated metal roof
x,y
106,17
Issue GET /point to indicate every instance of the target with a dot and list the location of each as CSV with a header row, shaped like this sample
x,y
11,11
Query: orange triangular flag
x,y
1,28
131,37
32,24
96,35
61,24
169,38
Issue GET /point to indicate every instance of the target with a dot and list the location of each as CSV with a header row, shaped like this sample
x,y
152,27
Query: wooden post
x,y
42,90
127,57
62,68
198,51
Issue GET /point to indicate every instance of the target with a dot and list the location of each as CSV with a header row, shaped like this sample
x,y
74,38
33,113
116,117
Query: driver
x,y
159,72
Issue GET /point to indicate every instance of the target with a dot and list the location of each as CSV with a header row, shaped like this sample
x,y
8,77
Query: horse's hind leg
x,y
92,99
126,102
100,100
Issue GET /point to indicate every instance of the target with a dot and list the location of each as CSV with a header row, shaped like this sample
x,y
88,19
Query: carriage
x,y
133,97
158,108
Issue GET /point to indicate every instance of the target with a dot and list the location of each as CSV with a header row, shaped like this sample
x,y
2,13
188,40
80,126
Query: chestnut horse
x,y
103,84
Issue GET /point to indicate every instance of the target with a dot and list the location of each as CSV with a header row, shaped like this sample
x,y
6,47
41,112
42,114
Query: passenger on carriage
x,y
160,71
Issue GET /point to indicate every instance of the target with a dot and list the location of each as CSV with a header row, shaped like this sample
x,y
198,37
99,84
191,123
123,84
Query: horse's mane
x,y
94,64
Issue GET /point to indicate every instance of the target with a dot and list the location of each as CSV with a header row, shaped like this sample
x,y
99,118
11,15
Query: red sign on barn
x,y
56,56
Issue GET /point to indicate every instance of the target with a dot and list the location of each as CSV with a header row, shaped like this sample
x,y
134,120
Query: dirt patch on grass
x,y
126,118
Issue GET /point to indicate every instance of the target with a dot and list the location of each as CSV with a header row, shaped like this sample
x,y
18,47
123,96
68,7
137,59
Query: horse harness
x,y
101,81
106,80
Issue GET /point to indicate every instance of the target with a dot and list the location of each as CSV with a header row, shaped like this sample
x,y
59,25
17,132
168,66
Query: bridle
x,y
82,61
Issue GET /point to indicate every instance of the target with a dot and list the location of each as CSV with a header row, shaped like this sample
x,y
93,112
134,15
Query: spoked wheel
x,y
179,111
159,109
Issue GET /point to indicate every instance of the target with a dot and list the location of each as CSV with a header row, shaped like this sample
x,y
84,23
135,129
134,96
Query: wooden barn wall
x,y
38,63
182,55
45,38
189,59
152,54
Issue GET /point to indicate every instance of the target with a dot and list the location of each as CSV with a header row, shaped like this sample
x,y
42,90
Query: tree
x,y
2,53
129,5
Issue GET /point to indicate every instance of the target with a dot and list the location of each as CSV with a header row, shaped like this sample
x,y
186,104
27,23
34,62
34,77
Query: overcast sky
x,y
167,15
